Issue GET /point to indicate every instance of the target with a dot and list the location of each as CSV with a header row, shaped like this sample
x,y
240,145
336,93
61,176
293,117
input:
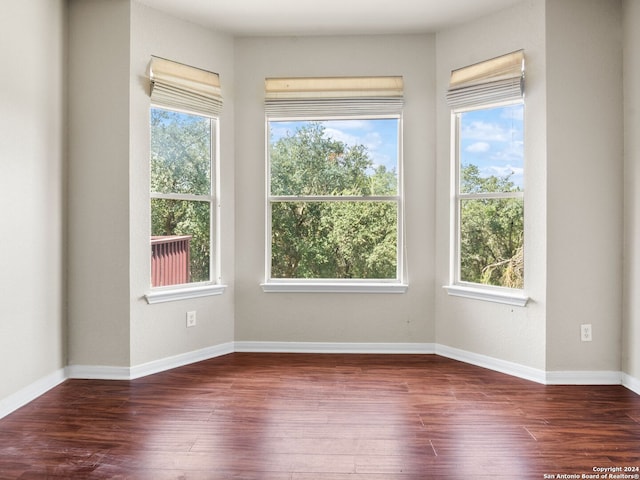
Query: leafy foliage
x,y
181,164
491,232
345,238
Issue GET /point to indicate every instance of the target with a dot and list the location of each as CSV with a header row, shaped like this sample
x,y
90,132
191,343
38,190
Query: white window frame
x,y
458,287
327,285
214,285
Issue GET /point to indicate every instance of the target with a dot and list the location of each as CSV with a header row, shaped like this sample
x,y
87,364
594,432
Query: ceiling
x,y
327,17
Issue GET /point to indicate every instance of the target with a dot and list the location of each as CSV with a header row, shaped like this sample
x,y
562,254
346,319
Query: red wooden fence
x,y
170,260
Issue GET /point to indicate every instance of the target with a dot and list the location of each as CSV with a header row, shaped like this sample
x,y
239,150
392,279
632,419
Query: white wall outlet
x,y
585,332
191,319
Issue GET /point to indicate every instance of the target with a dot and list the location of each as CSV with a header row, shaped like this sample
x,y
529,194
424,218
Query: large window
x,y
334,199
185,105
181,197
334,194
490,196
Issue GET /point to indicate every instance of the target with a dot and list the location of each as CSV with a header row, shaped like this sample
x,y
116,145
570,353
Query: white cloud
x,y
503,171
371,140
513,152
516,112
350,124
516,174
363,133
341,136
478,147
485,132
278,131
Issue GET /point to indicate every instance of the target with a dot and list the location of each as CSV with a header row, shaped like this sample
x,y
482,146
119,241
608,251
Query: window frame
x,y
457,286
212,286
334,285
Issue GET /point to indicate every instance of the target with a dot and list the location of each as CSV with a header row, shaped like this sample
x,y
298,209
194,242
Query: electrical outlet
x,y
191,319
585,332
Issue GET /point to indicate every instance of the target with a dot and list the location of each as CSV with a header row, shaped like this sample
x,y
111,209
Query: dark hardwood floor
x,y
322,417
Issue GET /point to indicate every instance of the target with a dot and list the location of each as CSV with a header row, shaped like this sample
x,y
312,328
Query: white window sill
x,y
170,294
334,287
488,295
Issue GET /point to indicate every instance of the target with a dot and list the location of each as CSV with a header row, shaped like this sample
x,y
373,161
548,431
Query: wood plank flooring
x,y
322,417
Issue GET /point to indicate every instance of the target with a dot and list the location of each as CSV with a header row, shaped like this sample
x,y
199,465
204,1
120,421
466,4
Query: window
x,y
488,180
184,113
490,196
334,189
181,197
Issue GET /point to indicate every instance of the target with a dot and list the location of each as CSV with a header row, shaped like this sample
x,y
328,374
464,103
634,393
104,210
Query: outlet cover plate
x,y
586,334
191,319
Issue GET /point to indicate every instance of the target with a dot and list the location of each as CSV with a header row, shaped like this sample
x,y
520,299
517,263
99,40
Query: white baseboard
x,y
180,360
331,347
484,361
599,377
495,364
101,372
31,392
631,383
97,372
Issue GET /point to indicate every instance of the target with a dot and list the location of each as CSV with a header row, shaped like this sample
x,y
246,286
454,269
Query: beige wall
x,y
631,325
320,317
111,323
158,331
99,223
584,183
32,169
513,334
573,187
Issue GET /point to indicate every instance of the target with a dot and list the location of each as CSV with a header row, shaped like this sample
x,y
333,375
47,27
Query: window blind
x,y
181,86
333,96
496,80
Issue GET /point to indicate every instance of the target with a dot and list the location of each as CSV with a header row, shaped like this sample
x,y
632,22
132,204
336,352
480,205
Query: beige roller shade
x,y
491,81
181,86
333,96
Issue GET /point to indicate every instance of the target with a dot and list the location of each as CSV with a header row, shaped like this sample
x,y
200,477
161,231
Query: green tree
x,y
330,239
363,238
181,164
491,232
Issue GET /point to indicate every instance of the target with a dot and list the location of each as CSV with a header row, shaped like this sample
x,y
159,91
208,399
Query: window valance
x,y
497,80
333,96
181,86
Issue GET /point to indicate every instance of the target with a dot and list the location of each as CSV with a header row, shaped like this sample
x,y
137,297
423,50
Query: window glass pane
x,y
337,239
180,242
492,149
338,157
491,241
180,152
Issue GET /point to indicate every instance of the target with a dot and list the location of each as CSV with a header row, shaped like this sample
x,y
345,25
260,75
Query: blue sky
x,y
493,139
379,136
